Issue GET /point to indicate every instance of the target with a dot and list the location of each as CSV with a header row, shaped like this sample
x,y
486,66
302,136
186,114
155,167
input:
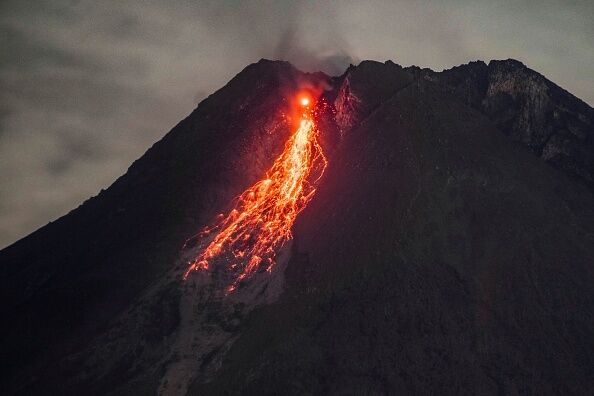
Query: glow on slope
x,y
260,222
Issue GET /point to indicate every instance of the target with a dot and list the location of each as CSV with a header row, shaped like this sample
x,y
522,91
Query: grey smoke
x,y
332,61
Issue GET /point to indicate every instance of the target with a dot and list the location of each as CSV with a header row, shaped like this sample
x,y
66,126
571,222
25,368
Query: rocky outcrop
x,y
364,87
552,123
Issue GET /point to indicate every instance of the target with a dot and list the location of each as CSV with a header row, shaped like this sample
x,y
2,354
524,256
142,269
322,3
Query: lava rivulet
x,y
260,222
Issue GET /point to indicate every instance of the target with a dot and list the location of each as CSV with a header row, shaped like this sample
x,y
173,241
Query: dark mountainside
x,y
449,249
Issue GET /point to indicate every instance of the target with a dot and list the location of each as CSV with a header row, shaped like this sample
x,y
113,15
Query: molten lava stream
x,y
260,222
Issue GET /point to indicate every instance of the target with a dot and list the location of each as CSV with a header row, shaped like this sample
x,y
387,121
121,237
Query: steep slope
x,y
67,283
437,256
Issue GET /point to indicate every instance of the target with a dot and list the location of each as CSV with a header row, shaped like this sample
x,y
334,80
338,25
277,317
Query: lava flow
x,y
260,222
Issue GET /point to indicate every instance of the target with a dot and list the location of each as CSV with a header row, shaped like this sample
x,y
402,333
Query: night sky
x,y
87,87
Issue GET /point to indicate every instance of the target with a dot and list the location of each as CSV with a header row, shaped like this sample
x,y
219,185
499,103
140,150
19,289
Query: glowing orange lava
x,y
251,234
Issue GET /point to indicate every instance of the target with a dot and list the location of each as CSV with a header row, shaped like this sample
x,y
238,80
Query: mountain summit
x,y
449,248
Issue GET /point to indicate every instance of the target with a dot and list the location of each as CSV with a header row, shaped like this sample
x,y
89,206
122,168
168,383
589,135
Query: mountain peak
x,y
509,63
449,239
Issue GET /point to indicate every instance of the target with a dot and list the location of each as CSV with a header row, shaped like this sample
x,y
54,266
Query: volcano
x,y
444,245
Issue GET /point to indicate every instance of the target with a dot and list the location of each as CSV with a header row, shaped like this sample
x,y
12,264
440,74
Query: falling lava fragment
x,y
261,220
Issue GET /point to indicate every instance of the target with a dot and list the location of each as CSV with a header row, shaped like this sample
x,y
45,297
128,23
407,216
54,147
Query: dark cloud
x,y
86,87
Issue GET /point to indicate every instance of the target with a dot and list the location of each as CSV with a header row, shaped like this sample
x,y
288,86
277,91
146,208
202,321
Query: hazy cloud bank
x,y
87,87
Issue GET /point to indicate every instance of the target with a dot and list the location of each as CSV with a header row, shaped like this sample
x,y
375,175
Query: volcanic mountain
x,y
447,247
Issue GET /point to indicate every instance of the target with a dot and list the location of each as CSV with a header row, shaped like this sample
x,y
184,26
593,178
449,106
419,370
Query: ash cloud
x,y
88,86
